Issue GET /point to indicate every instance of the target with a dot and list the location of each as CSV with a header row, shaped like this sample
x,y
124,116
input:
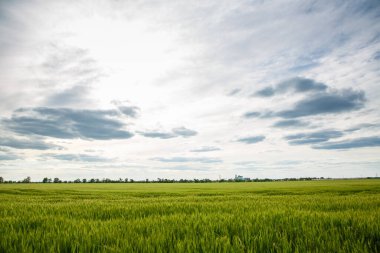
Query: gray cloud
x,y
60,57
181,159
158,134
320,99
296,85
290,123
252,115
176,132
126,108
233,92
313,137
26,144
362,126
67,123
300,84
77,157
71,72
8,157
326,103
266,92
65,61
353,143
376,56
184,132
252,139
205,149
73,95
132,111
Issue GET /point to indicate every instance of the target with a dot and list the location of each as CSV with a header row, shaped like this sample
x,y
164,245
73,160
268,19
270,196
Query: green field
x,y
312,216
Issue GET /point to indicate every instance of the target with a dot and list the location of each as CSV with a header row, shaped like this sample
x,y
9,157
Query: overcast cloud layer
x,y
179,89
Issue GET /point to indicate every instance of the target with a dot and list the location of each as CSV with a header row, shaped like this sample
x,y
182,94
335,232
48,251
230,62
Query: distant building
x,y
241,178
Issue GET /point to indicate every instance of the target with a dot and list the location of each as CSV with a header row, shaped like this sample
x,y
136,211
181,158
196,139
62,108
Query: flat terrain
x,y
308,216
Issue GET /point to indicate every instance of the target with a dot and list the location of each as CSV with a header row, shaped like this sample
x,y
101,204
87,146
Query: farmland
x,y
313,216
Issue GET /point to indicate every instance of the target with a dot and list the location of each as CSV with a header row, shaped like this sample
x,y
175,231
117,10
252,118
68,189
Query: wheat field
x,y
313,216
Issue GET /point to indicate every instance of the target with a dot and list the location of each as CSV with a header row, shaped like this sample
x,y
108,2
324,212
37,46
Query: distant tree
x,y
131,180
77,180
84,180
1,180
26,180
126,180
56,180
46,180
92,180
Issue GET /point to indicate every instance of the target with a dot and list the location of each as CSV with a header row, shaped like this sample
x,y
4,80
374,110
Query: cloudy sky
x,y
189,89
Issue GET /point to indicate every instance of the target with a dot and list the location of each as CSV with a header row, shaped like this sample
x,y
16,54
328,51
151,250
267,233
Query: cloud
x,y
8,157
252,115
26,144
73,95
132,111
319,100
233,92
176,132
65,123
205,149
313,137
266,92
158,134
290,123
67,74
295,85
252,139
181,159
326,103
353,143
77,157
71,63
300,85
184,132
127,109
362,126
376,55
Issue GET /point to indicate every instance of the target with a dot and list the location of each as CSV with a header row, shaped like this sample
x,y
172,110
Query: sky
x,y
189,89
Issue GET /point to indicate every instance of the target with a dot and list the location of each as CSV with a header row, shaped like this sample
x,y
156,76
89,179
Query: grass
x,y
316,216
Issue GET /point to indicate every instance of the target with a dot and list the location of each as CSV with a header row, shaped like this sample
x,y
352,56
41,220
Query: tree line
x,y
158,180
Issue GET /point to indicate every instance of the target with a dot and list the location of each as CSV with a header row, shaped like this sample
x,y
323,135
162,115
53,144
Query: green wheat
x,y
317,216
